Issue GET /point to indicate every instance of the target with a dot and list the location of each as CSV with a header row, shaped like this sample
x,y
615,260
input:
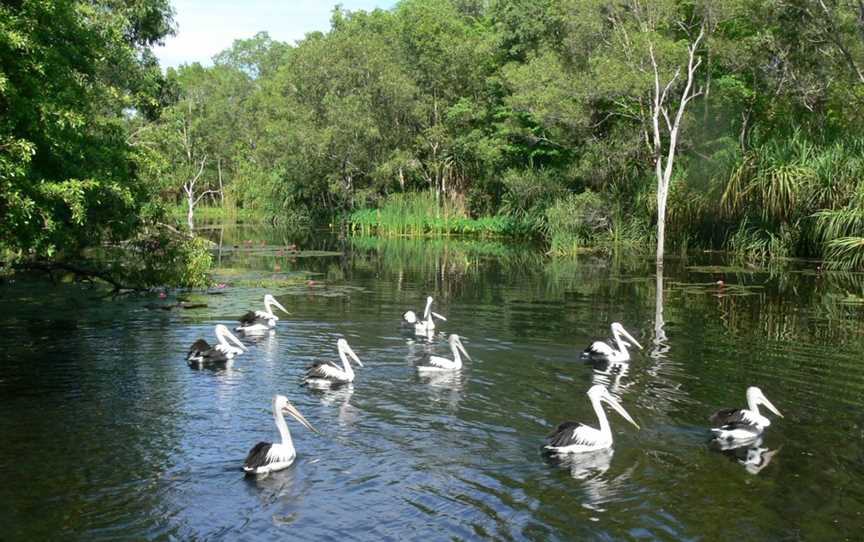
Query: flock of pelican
x,y
731,428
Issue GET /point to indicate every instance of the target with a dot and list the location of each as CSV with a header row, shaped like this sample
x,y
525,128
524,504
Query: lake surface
x,y
107,434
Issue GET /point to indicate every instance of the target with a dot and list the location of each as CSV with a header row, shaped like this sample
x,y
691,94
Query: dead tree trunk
x,y
191,199
659,107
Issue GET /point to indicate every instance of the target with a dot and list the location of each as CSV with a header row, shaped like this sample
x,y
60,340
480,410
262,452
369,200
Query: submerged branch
x,y
79,271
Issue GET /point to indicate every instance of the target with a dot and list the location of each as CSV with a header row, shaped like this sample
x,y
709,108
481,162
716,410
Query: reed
x,y
418,214
230,214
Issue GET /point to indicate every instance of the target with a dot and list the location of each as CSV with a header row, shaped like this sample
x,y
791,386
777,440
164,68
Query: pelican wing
x,y
571,434
325,371
732,418
438,362
249,318
198,347
210,357
598,349
257,457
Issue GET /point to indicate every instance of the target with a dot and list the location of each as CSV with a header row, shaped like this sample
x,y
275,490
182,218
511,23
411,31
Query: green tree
x,y
70,73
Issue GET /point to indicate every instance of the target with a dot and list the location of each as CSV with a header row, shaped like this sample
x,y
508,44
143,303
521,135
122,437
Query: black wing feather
x,y
198,347
563,435
249,318
730,418
202,353
320,370
257,456
592,354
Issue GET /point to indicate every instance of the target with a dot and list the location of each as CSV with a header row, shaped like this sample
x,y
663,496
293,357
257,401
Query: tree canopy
x,y
539,112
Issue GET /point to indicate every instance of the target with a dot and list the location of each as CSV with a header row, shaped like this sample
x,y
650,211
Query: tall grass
x,y
418,214
207,213
583,222
786,196
842,232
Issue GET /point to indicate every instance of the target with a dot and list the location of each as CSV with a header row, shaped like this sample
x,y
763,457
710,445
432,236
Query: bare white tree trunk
x,y
659,107
191,200
221,188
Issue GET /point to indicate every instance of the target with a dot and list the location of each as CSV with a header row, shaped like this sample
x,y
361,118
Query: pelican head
x,y
342,344
282,404
428,306
270,300
618,330
225,336
599,392
410,317
456,342
755,397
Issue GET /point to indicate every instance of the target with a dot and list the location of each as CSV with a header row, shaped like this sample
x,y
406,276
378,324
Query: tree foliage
x,y
531,111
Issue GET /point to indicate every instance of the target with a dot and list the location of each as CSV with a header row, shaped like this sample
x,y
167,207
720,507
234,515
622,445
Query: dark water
x,y
105,432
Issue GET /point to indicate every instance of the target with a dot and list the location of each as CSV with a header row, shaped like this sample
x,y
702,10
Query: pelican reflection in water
x,y
340,398
592,471
751,455
610,374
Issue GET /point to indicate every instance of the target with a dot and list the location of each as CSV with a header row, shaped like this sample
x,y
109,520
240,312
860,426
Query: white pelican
x,y
575,437
267,457
437,363
201,352
427,324
599,349
329,373
258,321
743,424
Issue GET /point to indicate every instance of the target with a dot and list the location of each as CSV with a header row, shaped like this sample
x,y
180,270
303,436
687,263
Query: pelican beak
x,y
617,406
630,338
428,307
237,341
462,349
290,409
769,406
280,307
351,353
438,316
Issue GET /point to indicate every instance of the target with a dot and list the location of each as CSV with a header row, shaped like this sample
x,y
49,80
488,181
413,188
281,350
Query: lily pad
x,y
726,269
280,251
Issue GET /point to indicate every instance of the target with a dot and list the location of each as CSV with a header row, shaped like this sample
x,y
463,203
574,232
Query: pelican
x,y
576,438
329,373
601,350
743,424
267,457
201,352
425,326
437,363
258,321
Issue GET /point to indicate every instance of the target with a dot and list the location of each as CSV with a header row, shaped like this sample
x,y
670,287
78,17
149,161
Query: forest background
x,y
549,119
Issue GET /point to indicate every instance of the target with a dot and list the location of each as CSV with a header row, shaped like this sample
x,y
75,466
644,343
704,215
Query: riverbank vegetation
x,y
538,118
73,76
551,119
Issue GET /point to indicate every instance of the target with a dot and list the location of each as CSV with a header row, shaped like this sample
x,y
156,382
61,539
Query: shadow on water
x,y
113,436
